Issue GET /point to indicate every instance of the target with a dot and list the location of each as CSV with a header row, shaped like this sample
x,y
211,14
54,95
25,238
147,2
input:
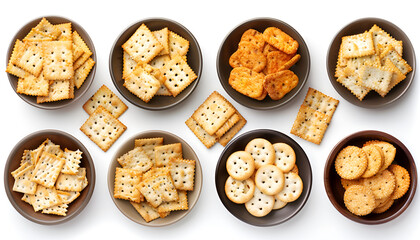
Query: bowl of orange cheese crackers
x,y
51,62
49,177
155,178
155,63
370,177
371,62
263,63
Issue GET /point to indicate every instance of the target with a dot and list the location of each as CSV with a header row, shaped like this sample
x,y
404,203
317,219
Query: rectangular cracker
x,y
22,182
69,182
47,29
164,153
73,159
163,37
358,45
58,90
65,32
142,45
148,146
158,188
47,170
106,98
142,84
178,75
180,204
146,211
228,124
60,209
376,78
225,139
77,52
44,198
351,81
397,75
26,157
129,64
383,39
20,169
391,54
13,68
182,173
213,113
103,128
178,46
126,184
310,124
78,41
207,139
160,61
82,72
33,86
29,57
58,60
136,159
36,35
321,102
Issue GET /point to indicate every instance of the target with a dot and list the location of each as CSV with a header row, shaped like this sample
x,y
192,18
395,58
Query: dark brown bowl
x,y
188,153
230,45
372,99
194,59
277,216
32,141
335,190
78,93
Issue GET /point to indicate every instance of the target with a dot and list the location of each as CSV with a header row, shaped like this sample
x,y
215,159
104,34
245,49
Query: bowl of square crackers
x,y
51,62
263,63
155,63
155,178
263,177
371,62
370,177
49,177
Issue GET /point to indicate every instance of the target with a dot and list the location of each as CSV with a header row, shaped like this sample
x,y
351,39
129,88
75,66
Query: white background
x,y
209,21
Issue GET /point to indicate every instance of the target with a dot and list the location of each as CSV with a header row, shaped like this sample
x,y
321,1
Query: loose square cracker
x,y
178,75
33,86
376,78
207,139
164,153
29,57
22,182
106,98
321,102
310,124
103,128
126,184
58,60
350,80
213,113
47,170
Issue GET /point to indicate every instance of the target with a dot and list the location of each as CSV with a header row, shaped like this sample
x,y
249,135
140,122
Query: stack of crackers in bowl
x,y
371,179
261,64
51,61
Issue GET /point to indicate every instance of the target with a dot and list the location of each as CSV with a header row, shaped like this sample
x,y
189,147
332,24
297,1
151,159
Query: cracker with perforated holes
x,y
126,184
164,153
148,145
239,191
106,98
58,90
60,209
207,139
71,182
228,125
68,197
162,36
260,204
177,45
180,204
285,157
270,180
22,182
136,159
65,31
129,64
44,198
12,68
158,188
58,60
47,29
213,113
146,211
36,35
81,73
178,75
321,102
103,128
358,45
280,40
29,57
33,86
142,84
225,139
47,170
262,151
182,173
73,159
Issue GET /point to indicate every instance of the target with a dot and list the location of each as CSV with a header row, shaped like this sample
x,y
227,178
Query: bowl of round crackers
x,y
155,63
263,63
155,178
371,62
263,177
370,177
64,191
51,62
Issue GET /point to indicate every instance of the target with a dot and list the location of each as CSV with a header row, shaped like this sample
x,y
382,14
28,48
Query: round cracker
x,y
351,162
261,204
384,206
359,200
269,179
262,151
375,158
240,165
239,191
293,187
285,156
382,184
278,204
388,150
347,183
402,180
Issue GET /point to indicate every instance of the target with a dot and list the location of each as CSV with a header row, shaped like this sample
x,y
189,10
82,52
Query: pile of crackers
x,y
314,116
155,63
50,178
371,61
102,126
50,62
215,120
371,180
264,177
261,64
155,178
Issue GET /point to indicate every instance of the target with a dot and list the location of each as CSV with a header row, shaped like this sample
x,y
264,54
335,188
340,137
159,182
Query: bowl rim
x,y
284,136
330,164
92,177
333,79
302,44
193,85
111,172
65,102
